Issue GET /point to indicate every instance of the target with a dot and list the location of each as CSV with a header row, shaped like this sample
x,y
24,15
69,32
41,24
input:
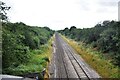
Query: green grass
x,y
95,60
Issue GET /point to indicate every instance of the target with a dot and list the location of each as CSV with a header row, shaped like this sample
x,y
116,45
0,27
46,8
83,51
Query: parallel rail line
x,y
69,64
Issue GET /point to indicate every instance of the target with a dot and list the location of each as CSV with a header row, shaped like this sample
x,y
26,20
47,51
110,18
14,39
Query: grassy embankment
x,y
95,60
39,60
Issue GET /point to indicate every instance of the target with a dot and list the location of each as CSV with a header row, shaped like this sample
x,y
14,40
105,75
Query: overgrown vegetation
x,y
95,59
104,38
24,48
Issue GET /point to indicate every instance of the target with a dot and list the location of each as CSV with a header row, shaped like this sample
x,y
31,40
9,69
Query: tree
x,y
105,37
29,40
66,31
18,42
108,40
72,27
3,9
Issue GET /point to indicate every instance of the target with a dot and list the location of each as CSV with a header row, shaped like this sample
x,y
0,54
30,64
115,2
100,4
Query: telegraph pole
x,y
119,11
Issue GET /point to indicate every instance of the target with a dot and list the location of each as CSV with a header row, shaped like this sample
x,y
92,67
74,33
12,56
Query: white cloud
x,y
58,14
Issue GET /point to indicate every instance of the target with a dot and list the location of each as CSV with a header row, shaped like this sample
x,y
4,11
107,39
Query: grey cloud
x,y
83,4
105,10
108,3
107,6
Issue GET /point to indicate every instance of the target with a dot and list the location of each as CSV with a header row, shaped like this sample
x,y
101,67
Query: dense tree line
x,y
104,36
18,39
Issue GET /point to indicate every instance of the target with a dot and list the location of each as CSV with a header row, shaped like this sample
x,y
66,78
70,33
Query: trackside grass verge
x,y
46,76
95,60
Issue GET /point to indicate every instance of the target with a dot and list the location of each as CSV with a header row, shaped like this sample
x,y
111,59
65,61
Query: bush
x,y
18,41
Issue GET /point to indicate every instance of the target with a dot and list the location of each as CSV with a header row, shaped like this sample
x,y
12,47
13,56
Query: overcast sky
x,y
58,14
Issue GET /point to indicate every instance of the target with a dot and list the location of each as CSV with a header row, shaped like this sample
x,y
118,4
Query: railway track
x,y
67,64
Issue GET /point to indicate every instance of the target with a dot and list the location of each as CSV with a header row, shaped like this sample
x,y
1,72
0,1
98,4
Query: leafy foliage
x,y
18,40
104,37
3,9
